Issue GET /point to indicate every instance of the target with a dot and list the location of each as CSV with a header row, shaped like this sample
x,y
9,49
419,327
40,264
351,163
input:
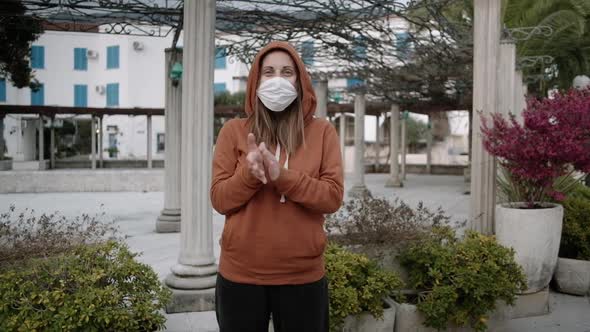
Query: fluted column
x,y
51,145
100,140
377,143
193,278
506,76
321,91
149,141
169,219
429,147
519,94
41,153
343,138
485,61
404,147
93,140
394,178
359,188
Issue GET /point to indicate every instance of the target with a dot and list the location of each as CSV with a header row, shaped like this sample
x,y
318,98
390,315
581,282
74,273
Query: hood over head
x,y
308,98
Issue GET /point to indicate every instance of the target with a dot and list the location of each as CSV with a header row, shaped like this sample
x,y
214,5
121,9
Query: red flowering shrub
x,y
553,141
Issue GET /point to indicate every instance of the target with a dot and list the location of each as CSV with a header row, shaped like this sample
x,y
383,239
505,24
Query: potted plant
x,y
456,283
572,274
553,141
359,291
379,228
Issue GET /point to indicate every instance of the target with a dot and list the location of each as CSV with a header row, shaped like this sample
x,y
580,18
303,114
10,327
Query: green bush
x,y
356,284
93,287
575,235
459,281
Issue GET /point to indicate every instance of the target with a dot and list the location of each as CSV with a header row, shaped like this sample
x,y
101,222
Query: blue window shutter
x,y
402,44
220,58
80,59
219,88
112,94
307,52
37,57
2,89
113,57
38,97
80,95
353,82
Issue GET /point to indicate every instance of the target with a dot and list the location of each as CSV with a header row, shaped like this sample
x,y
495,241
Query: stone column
x,y
429,147
404,148
485,60
394,179
52,145
321,92
93,140
41,143
149,141
100,140
169,219
519,94
506,76
193,278
358,188
343,138
377,144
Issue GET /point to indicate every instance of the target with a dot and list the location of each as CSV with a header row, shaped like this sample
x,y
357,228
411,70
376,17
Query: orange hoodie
x,y
264,241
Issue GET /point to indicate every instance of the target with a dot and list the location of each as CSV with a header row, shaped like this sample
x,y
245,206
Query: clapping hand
x,y
261,161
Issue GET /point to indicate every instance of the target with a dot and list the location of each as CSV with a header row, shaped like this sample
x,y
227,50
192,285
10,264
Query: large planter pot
x,y
5,165
365,322
409,319
572,276
535,235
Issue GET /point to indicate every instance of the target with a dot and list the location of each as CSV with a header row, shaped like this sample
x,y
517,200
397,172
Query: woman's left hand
x,y
270,163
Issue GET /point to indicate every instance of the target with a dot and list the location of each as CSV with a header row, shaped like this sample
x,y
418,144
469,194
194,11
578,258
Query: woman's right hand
x,y
255,160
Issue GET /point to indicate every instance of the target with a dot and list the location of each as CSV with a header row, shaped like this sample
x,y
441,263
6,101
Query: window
x,y
2,89
220,58
360,49
402,44
113,57
219,88
38,97
307,52
160,142
353,82
37,57
80,95
80,59
112,94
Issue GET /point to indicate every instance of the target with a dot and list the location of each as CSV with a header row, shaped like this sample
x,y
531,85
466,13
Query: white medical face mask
x,y
276,93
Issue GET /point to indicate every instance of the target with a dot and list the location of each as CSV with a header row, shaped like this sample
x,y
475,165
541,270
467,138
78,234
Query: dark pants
x,y
247,308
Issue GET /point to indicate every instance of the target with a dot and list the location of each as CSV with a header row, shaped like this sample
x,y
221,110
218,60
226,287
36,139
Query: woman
x,y
275,175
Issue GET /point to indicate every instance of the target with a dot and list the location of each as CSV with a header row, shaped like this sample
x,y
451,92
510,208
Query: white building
x,y
101,70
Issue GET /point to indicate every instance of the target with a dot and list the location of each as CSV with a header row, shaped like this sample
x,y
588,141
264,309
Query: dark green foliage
x,y
96,287
356,284
575,235
16,34
460,280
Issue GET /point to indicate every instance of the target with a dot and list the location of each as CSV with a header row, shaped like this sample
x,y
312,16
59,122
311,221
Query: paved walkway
x,y
136,215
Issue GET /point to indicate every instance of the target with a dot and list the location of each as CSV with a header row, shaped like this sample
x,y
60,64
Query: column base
x,y
191,300
193,288
168,221
359,191
394,182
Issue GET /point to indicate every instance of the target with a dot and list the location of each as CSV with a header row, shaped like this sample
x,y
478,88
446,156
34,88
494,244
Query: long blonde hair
x,y
286,127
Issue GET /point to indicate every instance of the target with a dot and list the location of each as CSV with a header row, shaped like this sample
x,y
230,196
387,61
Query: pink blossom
x,y
555,136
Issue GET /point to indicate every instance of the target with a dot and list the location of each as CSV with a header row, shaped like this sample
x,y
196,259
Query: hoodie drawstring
x,y
278,157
